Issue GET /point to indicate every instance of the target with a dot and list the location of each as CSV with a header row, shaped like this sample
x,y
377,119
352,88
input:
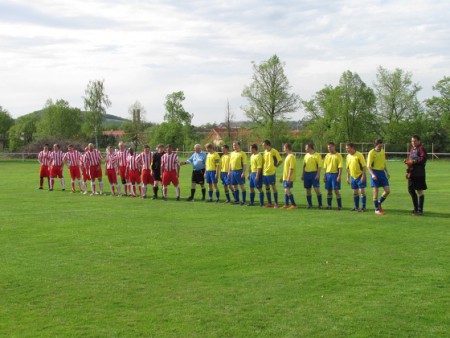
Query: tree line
x,y
349,111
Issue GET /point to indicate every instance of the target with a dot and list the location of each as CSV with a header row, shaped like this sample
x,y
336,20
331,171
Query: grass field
x,y
82,266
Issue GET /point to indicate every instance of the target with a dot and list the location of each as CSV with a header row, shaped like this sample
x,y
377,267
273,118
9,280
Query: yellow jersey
x,y
312,162
355,164
256,162
212,161
237,160
290,163
225,163
272,160
332,163
376,159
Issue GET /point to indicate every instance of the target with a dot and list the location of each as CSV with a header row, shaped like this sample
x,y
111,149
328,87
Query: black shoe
x,y
309,207
178,198
209,201
251,204
339,208
203,198
190,199
354,209
320,207
40,188
63,189
418,213
217,201
237,203
154,197
362,210
329,207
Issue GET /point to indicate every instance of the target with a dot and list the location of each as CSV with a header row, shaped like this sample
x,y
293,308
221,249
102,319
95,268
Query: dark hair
x,y
131,151
350,144
378,141
331,144
168,145
237,142
267,143
70,146
254,146
417,137
46,145
226,146
288,146
160,145
310,145
146,146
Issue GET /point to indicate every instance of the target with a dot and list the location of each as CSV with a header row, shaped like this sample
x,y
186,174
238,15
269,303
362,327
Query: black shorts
x,y
417,183
157,175
198,176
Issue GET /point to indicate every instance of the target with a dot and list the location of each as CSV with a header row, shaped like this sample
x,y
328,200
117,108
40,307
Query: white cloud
x,y
148,49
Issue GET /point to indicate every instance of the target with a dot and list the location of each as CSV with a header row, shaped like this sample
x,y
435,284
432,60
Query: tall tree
x,y
175,111
343,113
397,102
6,122
23,131
269,96
135,128
95,102
438,113
59,120
229,116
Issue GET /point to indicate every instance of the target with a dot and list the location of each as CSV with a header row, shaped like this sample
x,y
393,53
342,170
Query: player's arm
x,y
303,170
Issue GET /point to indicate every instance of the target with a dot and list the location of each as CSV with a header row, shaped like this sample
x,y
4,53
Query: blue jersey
x,y
198,160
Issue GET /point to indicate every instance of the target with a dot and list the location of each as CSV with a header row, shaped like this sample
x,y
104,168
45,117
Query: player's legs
x,y
319,196
309,198
275,194
362,193
338,198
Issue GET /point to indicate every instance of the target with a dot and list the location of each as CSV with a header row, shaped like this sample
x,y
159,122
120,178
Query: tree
x,y
175,111
229,116
397,102
59,120
96,102
438,113
343,113
6,122
135,128
23,131
269,95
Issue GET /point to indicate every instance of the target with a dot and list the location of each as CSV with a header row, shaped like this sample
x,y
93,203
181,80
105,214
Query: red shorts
x,y
170,177
85,175
112,176
75,172
43,172
147,177
134,176
56,171
123,173
95,172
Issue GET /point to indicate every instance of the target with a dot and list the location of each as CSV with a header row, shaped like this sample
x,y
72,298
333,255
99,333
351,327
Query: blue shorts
x,y
224,178
211,176
253,183
357,184
288,185
269,179
309,180
382,180
331,182
236,177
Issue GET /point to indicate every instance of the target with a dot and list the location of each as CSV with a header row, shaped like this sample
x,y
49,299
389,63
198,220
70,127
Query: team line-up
x,y
162,167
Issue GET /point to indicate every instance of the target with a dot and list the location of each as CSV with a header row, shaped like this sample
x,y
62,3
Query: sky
x,y
147,49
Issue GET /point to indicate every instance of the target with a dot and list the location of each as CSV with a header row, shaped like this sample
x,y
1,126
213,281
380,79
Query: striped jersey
x,y
110,161
56,158
122,158
73,158
93,158
134,162
169,162
44,158
146,160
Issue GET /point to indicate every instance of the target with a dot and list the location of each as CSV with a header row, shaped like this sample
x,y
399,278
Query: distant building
x,y
117,134
219,136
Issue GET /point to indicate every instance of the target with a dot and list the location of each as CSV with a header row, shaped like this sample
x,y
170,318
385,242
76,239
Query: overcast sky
x,y
146,49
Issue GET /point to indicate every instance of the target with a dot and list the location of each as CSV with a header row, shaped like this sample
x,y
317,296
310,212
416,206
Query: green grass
x,y
74,265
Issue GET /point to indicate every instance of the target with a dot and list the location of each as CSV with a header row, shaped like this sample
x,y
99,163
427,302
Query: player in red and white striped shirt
x,y
111,170
44,160
56,166
93,160
134,164
72,159
85,170
122,155
147,173
170,170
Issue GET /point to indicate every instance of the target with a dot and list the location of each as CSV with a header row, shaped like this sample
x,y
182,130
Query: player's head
x,y
197,148
378,143
91,146
121,146
109,150
309,146
415,140
208,147
147,148
169,148
237,145
56,147
331,147
267,144
225,148
46,146
350,148
160,148
70,147
131,151
287,148
254,148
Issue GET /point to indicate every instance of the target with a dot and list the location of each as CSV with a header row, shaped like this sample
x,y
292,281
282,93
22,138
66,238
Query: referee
x,y
198,160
